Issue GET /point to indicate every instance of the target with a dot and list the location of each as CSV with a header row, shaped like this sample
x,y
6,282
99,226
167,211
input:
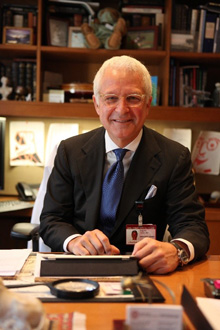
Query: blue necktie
x,y
111,193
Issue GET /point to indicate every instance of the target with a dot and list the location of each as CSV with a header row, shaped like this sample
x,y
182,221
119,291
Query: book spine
x,y
194,18
159,21
216,43
142,10
201,30
34,73
208,41
29,78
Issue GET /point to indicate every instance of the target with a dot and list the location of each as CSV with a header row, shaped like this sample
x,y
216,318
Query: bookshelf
x,y
63,58
81,64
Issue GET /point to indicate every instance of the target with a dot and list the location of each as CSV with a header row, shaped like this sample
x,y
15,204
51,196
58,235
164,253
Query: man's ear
x,y
149,101
96,105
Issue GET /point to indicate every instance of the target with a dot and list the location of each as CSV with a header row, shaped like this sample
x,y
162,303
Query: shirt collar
x,y
110,145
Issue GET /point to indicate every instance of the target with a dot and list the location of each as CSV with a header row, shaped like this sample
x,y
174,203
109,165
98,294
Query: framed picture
x,y
76,38
17,35
142,38
58,32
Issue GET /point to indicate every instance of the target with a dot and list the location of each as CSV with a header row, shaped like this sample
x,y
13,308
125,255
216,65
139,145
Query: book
x,y
159,21
201,30
194,19
154,80
209,33
216,43
142,9
181,18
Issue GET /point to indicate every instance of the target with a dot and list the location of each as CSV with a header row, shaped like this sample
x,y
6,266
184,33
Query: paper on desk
x,y
11,261
210,307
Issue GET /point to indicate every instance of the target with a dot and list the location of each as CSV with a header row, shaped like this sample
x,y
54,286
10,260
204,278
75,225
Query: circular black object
x,y
74,288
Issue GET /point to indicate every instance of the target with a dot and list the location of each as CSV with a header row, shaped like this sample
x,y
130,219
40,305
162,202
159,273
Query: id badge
x,y
135,233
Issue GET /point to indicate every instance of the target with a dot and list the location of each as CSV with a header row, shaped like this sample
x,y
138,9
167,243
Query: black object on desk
x,y
90,266
100,266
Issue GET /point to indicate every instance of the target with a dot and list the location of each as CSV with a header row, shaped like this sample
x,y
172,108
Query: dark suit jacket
x,y
73,195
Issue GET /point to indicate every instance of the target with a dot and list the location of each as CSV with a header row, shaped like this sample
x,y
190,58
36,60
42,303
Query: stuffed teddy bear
x,y
106,32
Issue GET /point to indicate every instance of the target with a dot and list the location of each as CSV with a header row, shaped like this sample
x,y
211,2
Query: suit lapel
x,y
91,168
142,169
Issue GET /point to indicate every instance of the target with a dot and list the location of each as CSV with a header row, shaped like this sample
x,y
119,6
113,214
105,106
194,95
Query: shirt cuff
x,y
67,240
189,245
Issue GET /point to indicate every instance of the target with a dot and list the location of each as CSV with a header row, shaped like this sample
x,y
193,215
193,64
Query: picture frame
x,y
17,35
58,32
76,38
142,38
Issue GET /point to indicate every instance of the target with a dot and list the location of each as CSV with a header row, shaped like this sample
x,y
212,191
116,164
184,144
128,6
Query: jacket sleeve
x,y
185,214
56,220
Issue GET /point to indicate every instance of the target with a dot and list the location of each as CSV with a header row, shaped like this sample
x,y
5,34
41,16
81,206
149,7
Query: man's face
x,y
123,122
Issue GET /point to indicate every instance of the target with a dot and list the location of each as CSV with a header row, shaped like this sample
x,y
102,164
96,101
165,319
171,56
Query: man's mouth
x,y
121,121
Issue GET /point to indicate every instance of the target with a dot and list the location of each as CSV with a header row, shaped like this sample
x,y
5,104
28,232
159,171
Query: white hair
x,y
127,63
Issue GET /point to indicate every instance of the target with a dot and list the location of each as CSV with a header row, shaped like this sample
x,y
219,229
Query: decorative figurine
x,y
5,90
21,311
107,32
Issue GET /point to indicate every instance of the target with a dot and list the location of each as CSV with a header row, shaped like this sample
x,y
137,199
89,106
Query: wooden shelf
x,y
99,55
207,58
86,110
13,51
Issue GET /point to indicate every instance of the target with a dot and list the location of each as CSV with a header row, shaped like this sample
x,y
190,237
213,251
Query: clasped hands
x,y
154,256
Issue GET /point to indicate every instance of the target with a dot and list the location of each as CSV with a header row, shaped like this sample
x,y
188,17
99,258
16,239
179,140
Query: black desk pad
x,y
101,267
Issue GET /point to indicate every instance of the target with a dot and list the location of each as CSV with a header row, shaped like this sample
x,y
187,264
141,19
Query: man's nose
x,y
122,106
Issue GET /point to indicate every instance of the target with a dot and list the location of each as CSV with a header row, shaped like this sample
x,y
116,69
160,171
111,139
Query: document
x,y
12,261
210,307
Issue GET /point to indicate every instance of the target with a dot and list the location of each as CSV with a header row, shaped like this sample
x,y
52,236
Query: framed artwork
x,y
142,38
58,32
76,38
17,35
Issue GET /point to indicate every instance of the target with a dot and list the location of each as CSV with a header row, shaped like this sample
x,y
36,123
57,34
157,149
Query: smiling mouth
x,y
122,121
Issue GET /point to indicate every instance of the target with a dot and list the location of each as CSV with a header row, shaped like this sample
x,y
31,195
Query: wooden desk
x,y
101,315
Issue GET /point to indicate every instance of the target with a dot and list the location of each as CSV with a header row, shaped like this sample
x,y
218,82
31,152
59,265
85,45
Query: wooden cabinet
x,y
213,222
80,65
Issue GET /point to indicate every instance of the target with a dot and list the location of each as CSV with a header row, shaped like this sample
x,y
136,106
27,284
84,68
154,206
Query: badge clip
x,y
139,208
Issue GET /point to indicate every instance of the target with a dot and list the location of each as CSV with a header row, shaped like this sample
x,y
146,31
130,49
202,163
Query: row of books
x,y
186,81
21,74
19,16
199,26
187,85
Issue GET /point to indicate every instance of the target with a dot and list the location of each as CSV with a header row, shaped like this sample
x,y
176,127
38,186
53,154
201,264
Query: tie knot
x,y
120,153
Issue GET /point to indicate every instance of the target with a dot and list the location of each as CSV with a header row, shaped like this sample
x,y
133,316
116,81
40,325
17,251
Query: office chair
x,y
28,232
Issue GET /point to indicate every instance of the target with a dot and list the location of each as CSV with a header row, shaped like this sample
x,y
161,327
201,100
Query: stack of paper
x,y
12,261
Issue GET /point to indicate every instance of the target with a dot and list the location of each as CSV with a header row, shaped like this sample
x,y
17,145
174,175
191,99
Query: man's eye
x,y
133,98
111,99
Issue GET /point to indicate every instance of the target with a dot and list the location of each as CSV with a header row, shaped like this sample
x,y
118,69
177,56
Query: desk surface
x,y
101,315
